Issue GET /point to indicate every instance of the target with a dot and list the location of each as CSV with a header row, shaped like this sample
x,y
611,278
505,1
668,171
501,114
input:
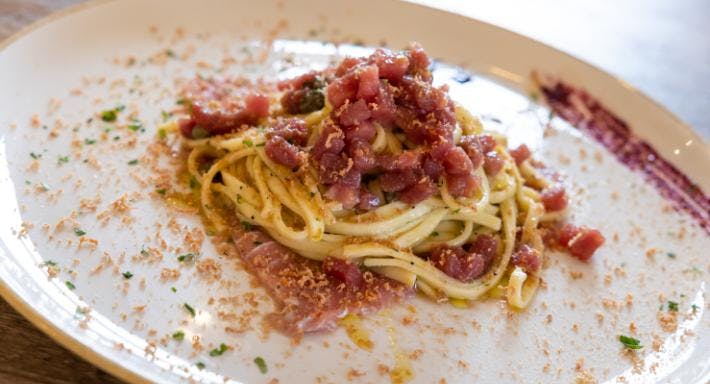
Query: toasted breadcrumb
x,y
167,274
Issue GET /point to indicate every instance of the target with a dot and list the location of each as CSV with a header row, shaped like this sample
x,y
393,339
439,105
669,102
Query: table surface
x,y
661,47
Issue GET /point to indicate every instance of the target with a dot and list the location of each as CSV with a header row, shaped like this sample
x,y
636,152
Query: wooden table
x,y
661,47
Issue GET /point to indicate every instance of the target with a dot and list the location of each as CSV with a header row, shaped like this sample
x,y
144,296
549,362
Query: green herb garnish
x,y
186,257
79,232
671,255
246,225
89,141
35,155
200,365
161,191
248,143
199,132
166,115
70,285
173,289
135,126
630,342
189,308
162,133
133,162
259,361
672,306
179,336
219,351
108,115
62,159
127,275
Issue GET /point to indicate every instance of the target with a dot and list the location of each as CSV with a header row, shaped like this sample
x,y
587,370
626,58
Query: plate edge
x,y
78,348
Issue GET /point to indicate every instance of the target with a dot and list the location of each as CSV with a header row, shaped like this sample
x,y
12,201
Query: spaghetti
x,y
369,164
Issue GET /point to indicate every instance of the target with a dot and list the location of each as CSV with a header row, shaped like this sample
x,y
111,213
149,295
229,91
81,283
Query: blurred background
x,y
661,47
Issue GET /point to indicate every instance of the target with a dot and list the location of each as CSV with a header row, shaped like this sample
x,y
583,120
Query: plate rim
x,y
25,309
84,351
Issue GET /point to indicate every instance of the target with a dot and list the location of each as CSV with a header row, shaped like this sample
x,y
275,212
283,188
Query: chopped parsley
x,y
200,365
193,182
161,191
70,285
35,155
189,308
181,101
199,132
44,186
162,133
188,257
49,263
239,198
79,232
672,306
671,255
434,234
109,115
136,125
127,275
173,289
694,307
248,143
179,336
62,159
170,53
133,162
166,115
246,225
630,342
89,141
261,363
219,351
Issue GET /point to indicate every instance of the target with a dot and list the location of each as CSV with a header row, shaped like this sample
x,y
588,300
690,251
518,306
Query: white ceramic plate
x,y
63,71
